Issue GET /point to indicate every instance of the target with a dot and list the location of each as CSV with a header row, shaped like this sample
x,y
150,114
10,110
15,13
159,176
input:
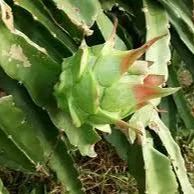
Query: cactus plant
x,y
53,82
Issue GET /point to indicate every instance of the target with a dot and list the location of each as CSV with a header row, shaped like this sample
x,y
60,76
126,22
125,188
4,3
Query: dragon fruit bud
x,y
101,85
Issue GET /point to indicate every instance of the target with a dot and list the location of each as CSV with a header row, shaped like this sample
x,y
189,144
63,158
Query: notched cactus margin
x,y
78,13
148,117
35,79
41,14
159,174
181,20
173,151
157,22
12,156
97,86
8,20
22,59
29,136
20,125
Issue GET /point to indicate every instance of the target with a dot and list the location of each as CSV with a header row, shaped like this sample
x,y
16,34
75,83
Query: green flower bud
x,y
101,85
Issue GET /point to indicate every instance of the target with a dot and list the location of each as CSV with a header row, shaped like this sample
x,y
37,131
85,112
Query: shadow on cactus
x,y
101,85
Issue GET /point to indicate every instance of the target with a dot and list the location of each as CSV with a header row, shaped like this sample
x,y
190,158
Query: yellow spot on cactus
x,y
17,53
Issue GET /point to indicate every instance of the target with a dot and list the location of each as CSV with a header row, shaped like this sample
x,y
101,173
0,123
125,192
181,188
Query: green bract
x,y
101,85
